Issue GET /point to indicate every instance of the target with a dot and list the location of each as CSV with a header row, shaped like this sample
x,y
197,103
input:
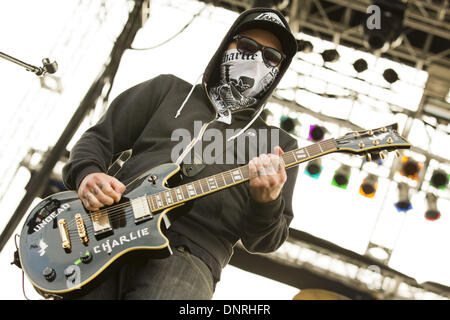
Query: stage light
x,y
314,168
432,212
403,204
410,168
330,55
369,186
384,24
341,177
288,124
316,133
439,179
360,65
304,46
390,75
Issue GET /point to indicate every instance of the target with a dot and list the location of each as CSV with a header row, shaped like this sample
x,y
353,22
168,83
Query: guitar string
x,y
119,207
119,211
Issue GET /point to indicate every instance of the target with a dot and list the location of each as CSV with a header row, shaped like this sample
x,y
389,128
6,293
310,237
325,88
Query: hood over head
x,y
258,18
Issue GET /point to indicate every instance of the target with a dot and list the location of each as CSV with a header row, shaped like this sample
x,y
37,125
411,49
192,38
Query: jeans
x,y
182,276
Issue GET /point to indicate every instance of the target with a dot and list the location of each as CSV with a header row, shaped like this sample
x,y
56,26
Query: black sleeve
x,y
116,131
266,225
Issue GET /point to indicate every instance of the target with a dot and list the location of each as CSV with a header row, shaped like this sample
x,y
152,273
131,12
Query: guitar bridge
x,y
64,233
81,228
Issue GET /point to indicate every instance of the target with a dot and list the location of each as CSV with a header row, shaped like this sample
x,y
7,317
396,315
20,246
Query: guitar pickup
x,y
101,223
141,209
64,233
81,228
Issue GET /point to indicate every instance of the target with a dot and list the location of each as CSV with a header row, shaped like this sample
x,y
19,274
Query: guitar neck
x,y
226,179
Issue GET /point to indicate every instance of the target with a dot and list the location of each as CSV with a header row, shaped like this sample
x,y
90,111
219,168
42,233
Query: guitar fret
x,y
244,171
212,183
198,187
300,154
220,180
179,194
328,145
237,175
184,191
228,177
191,190
158,200
289,157
152,204
168,197
163,199
313,150
205,185
173,195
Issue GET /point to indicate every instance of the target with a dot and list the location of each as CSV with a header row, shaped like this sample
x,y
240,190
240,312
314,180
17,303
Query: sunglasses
x,y
272,57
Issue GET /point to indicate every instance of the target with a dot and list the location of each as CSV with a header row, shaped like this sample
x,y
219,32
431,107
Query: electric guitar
x,y
64,247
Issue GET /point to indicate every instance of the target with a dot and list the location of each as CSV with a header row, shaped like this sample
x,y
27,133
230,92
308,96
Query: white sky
x,y
344,217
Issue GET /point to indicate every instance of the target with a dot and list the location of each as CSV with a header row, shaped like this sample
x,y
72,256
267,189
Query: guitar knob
x,y
87,257
69,271
49,274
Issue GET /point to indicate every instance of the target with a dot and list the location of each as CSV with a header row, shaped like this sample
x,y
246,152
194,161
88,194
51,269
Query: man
x,y
237,82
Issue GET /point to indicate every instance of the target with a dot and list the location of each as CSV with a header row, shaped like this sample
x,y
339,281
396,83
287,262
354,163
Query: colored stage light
x,y
288,124
341,177
432,212
403,204
410,168
314,168
369,186
316,133
439,179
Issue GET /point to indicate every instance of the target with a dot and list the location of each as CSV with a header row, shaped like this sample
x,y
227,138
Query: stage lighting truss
x,y
375,279
384,24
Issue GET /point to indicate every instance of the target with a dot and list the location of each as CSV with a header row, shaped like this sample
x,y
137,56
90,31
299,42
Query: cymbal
x,y
318,294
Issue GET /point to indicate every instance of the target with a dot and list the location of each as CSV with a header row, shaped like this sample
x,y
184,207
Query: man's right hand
x,y
99,189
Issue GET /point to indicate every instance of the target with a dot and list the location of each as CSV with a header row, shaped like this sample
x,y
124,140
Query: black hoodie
x,y
143,118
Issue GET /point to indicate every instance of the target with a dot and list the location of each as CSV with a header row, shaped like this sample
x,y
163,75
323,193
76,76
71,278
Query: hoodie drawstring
x,y
187,97
248,124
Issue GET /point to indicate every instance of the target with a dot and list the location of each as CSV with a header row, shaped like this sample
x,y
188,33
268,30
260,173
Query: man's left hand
x,y
267,176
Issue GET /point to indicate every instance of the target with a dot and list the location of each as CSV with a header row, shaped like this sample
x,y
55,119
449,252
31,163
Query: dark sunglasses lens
x,y
247,46
272,57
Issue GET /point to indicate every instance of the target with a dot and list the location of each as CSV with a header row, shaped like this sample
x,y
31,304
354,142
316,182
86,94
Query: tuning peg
x,y
382,155
397,154
368,157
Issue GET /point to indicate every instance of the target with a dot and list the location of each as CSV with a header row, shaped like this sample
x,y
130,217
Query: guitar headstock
x,y
372,141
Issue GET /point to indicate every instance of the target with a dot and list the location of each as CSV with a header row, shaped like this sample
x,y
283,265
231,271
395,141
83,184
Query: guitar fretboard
x,y
204,186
